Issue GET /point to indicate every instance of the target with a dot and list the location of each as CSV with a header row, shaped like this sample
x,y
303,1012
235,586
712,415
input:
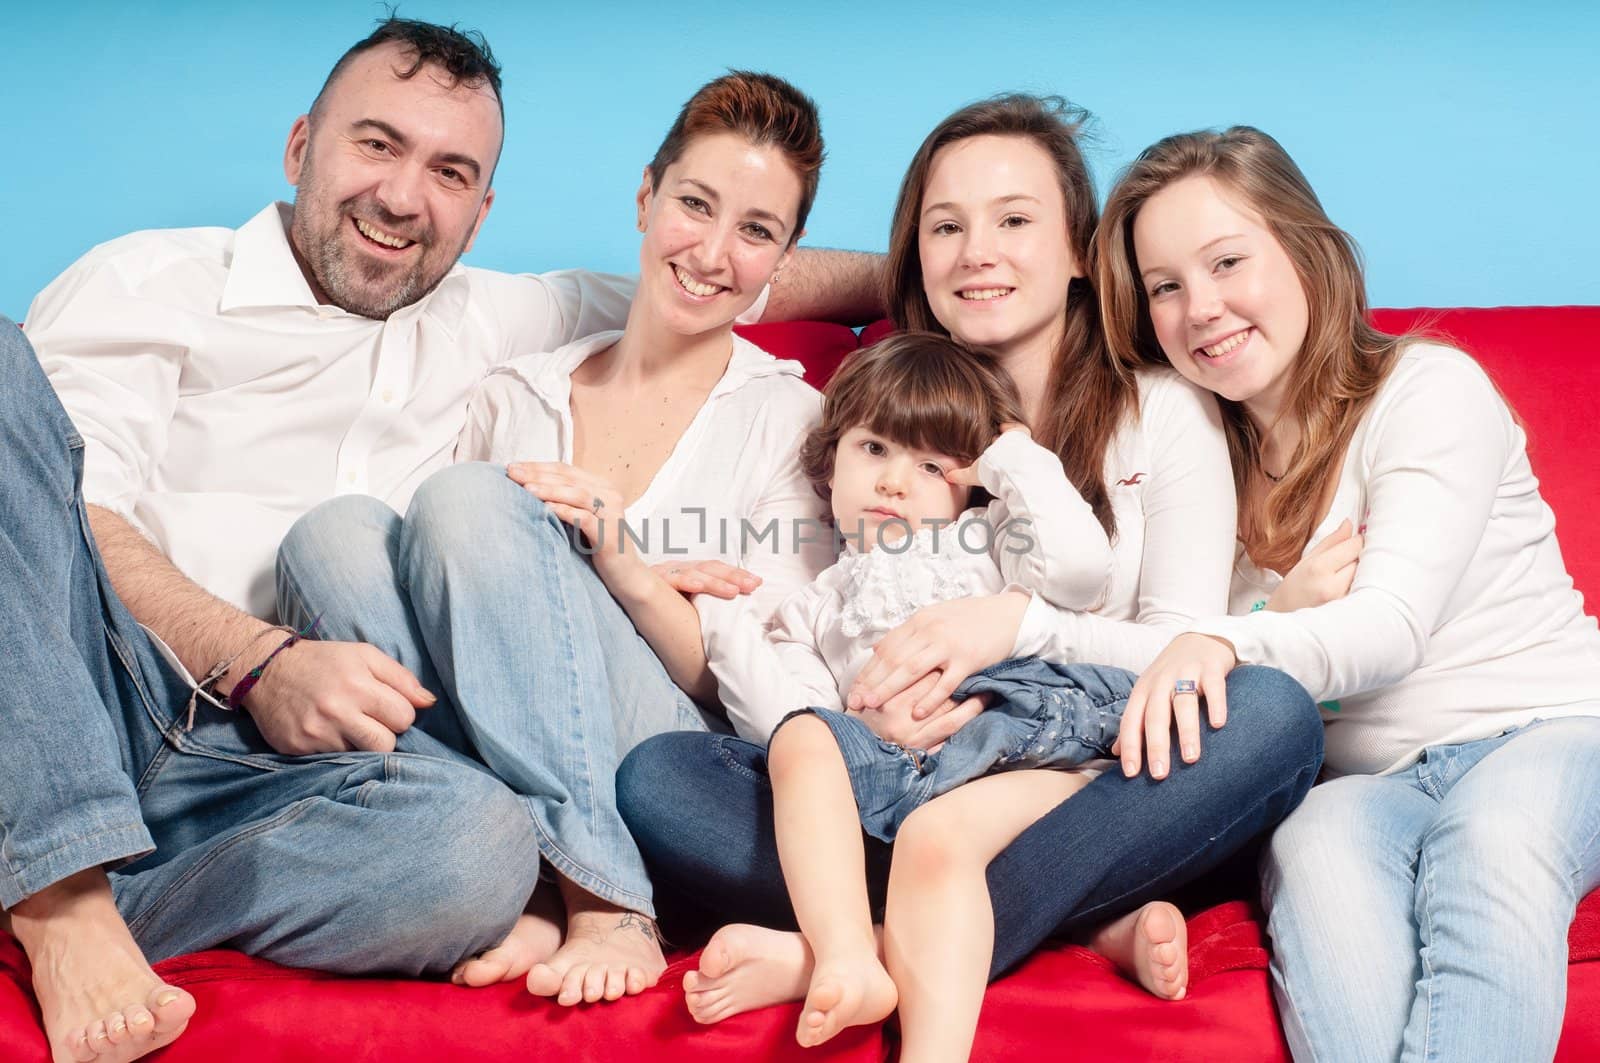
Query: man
x,y
223,382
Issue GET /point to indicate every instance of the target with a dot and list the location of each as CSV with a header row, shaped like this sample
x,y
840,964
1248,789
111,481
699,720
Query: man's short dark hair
x,y
463,54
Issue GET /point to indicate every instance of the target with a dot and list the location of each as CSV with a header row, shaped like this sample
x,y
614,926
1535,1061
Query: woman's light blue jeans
x,y
481,592
352,862
1424,915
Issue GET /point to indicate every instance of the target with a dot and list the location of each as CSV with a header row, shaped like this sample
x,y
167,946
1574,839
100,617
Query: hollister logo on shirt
x,y
1136,478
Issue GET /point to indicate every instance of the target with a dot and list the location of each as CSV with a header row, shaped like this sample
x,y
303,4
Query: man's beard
x,y
351,281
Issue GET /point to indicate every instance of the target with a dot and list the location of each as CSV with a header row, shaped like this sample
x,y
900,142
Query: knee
x,y
927,849
649,776
1276,717
480,859
461,512
341,531
797,744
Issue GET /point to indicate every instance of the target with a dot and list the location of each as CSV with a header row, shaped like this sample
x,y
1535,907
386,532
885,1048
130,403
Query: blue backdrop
x,y
1458,141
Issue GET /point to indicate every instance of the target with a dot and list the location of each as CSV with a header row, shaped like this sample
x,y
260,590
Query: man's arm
x,y
820,284
317,697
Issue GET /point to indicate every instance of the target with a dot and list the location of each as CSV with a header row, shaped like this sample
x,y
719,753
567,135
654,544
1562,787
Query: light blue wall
x,y
1459,141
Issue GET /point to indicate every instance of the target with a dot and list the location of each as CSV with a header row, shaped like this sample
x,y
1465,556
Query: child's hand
x,y
1324,575
967,475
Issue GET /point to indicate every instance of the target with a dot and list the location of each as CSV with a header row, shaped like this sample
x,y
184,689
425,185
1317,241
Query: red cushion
x,y
251,1011
817,345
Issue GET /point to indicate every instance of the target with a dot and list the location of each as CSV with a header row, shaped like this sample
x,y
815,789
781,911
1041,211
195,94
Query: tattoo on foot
x,y
633,920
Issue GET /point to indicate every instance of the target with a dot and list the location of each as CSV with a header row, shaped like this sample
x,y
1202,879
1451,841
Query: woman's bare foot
x,y
845,993
1151,946
744,968
609,953
100,1000
534,939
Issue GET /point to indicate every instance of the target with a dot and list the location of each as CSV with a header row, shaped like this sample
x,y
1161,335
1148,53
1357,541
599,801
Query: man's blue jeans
x,y
1423,916
481,592
355,863
700,806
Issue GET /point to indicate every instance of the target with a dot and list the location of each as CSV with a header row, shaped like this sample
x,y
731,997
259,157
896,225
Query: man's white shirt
x,y
218,401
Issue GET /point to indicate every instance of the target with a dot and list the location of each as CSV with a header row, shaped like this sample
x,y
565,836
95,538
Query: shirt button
x,y
388,394
350,478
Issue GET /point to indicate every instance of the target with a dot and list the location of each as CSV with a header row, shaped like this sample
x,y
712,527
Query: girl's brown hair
x,y
765,110
1340,366
918,389
1086,397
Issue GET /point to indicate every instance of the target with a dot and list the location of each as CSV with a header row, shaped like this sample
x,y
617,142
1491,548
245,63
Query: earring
x,y
775,275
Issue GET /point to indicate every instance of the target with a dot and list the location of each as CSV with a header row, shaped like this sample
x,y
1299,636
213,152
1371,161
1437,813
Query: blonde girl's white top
x,y
730,490
1171,485
1462,620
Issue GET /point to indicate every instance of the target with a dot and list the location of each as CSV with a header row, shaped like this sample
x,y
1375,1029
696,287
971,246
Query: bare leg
x,y
938,932
818,830
1151,946
100,1000
609,953
534,939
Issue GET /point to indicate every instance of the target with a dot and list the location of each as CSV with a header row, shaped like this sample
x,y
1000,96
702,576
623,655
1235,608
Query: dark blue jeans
x,y
700,806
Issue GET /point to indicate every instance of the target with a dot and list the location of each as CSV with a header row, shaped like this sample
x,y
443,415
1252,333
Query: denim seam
x,y
108,850
1425,883
1312,765
582,876
735,765
289,815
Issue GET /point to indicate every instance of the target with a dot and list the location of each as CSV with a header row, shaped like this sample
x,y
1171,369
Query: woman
x,y
530,610
1461,678
990,244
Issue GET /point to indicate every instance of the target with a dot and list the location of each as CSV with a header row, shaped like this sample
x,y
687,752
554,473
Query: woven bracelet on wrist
x,y
234,698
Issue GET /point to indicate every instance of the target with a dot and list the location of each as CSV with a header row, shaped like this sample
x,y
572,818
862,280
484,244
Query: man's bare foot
x,y
534,939
1151,946
609,953
100,1000
845,993
744,968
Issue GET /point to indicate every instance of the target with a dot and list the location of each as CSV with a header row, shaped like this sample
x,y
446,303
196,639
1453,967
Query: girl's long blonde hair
x,y
1339,368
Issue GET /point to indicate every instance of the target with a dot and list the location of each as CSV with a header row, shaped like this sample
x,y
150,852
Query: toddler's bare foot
x,y
100,1000
1151,946
609,953
845,993
744,968
534,939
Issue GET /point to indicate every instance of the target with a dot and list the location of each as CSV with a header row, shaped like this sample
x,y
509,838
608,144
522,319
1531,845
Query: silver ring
x,y
1185,686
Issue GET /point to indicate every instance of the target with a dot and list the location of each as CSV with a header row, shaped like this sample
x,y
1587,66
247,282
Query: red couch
x,y
1064,1003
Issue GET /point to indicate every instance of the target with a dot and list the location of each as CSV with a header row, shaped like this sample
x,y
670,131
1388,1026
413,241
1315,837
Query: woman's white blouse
x,y
731,489
1462,620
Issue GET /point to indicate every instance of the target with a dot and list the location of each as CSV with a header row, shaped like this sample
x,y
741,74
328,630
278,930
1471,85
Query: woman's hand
x,y
716,578
1201,663
953,639
590,503
1324,575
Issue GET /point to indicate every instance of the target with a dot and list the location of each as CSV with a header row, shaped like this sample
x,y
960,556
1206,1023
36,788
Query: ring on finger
x,y
597,503
1185,686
